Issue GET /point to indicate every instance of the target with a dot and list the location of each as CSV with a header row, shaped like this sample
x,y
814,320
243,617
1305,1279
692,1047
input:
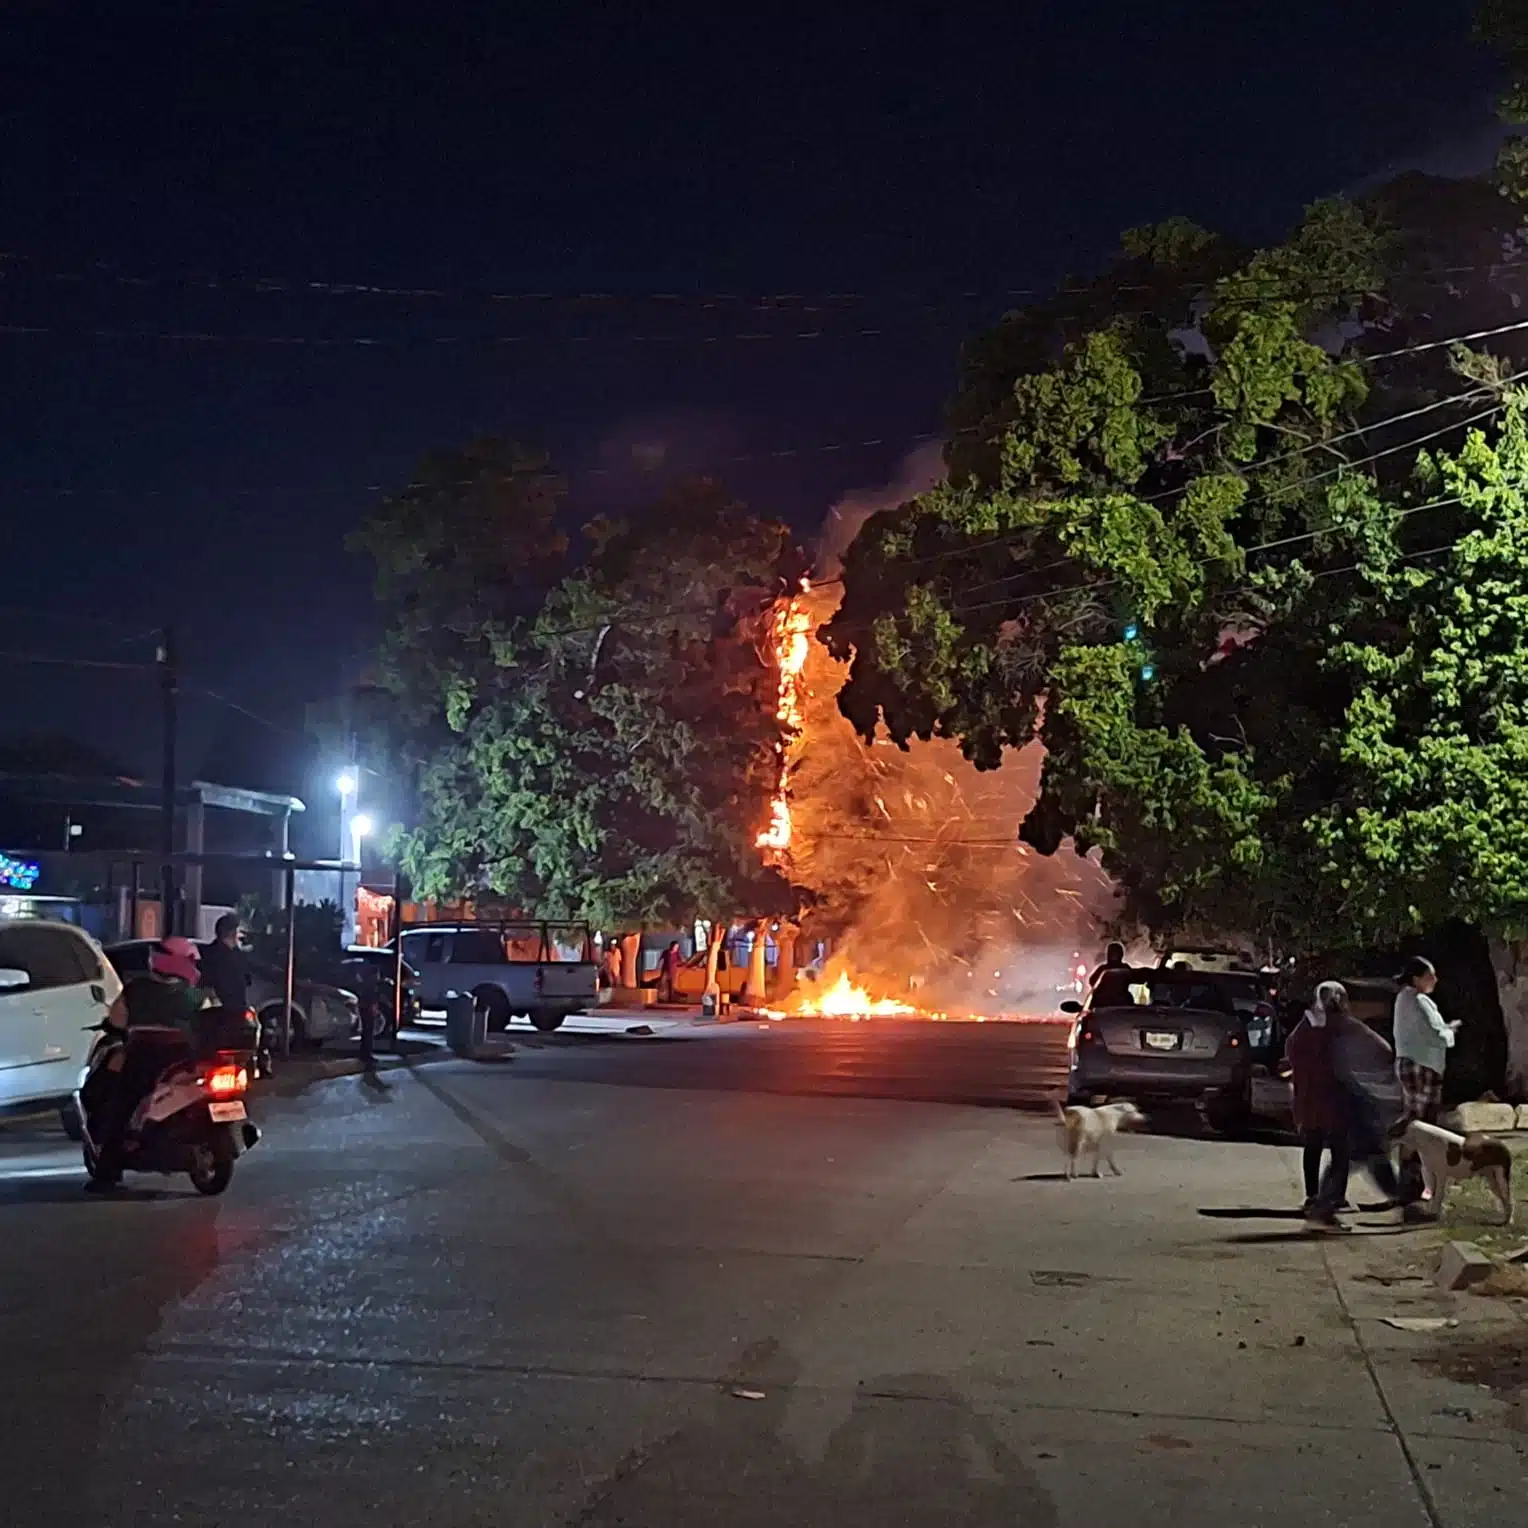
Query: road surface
x,y
612,1283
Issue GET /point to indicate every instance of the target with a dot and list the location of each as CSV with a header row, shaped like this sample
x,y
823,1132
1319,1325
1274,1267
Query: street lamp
x,y
348,784
360,827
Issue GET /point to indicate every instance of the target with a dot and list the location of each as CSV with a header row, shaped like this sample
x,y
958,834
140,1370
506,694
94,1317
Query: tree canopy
x,y
1192,537
593,717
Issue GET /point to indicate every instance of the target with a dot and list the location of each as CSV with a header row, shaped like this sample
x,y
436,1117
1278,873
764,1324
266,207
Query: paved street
x,y
665,1282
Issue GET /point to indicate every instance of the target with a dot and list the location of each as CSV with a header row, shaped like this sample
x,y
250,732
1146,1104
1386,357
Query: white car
x,y
55,986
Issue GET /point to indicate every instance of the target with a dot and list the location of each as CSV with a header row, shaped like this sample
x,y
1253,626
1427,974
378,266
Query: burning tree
x,y
593,724
1198,536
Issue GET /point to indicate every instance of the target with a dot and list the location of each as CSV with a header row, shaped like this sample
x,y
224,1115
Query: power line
x,y
781,453
1007,536
233,705
400,342
994,583
84,663
1204,562
248,284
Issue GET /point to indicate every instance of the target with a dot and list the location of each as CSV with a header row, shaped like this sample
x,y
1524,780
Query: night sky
x,y
159,162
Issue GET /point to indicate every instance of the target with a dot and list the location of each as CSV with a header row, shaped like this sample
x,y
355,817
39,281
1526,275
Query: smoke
x,y
919,471
914,855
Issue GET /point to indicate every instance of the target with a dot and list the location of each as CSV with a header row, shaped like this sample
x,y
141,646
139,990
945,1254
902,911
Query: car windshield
x,y
1163,989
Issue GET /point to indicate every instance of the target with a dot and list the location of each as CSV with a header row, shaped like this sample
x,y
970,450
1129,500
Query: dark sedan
x,y
1164,1036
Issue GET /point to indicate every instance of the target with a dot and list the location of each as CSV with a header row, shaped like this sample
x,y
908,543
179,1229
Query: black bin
x,y
466,1023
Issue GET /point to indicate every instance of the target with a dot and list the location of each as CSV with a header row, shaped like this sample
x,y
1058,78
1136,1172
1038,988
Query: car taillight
x,y
226,1081
1234,1041
1085,1036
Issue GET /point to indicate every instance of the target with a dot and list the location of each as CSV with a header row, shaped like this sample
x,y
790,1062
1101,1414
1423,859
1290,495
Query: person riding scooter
x,y
157,1014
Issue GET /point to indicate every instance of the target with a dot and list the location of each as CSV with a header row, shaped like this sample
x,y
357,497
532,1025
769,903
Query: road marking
x,y
59,1170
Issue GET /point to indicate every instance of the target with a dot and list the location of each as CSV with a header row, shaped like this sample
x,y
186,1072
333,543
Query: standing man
x,y
225,968
1114,960
225,973
672,960
1423,1040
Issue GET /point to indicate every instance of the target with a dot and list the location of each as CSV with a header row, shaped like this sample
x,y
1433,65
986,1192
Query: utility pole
x,y
169,686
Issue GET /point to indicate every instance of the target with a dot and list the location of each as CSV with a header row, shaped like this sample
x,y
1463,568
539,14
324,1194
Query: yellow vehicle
x,y
731,977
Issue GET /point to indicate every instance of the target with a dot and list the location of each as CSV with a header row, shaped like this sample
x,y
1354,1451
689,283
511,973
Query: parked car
x,y
543,970
1164,1035
361,963
321,1011
1206,957
55,985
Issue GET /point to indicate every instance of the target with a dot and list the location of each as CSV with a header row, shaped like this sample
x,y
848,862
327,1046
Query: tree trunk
x,y
785,965
631,958
714,955
756,989
1509,959
1469,989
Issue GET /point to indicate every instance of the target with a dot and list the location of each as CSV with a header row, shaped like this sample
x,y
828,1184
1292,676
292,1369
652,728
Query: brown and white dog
x,y
1451,1158
1086,1131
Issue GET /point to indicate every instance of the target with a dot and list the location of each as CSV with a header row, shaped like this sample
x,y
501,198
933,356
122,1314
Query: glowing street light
x,y
346,784
360,827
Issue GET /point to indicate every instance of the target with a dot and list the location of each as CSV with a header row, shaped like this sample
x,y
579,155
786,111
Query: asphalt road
x,y
637,1283
994,1062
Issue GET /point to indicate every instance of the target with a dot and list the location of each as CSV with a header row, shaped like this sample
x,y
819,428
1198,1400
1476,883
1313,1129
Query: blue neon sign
x,y
18,875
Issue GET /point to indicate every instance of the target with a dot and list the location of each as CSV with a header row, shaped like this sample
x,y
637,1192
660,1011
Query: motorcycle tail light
x,y
225,1081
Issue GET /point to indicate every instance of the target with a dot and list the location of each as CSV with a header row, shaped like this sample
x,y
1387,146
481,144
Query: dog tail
x,y
1060,1109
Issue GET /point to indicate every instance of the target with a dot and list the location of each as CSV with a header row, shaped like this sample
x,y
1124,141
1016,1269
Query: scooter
x,y
193,1120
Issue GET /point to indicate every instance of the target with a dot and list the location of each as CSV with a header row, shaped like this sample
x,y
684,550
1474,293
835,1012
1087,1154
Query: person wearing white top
x,y
1423,1039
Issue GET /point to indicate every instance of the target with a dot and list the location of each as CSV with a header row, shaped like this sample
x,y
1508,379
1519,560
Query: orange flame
x,y
846,1000
792,639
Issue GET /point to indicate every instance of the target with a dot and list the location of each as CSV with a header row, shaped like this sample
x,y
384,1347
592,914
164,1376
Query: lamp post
x,y
347,783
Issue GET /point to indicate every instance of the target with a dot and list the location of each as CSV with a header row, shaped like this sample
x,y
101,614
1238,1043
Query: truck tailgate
x,y
572,979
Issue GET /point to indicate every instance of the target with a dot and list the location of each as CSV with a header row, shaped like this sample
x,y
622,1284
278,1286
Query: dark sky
x,y
929,159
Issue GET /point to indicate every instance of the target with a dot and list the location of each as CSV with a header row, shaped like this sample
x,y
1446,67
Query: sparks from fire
x,y
792,628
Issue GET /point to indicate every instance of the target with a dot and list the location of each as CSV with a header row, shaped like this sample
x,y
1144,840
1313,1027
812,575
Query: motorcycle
x,y
193,1120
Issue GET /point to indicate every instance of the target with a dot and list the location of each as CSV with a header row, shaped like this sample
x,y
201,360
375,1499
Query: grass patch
x,y
1472,1213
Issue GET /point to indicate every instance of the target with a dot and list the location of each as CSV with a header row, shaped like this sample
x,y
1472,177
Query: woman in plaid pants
x,y
1422,1043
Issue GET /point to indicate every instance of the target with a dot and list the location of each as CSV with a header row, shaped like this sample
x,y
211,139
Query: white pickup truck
x,y
542,970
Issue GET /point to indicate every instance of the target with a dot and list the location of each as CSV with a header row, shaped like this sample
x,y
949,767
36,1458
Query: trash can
x,y
466,1023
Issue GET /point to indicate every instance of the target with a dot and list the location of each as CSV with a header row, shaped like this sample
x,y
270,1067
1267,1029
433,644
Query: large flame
x,y
842,1000
792,629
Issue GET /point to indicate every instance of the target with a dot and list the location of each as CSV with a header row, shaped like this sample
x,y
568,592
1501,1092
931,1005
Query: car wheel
x,y
69,1118
547,1019
493,1004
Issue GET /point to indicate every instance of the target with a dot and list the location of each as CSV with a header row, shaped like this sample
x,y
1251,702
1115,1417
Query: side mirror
x,y
11,978
1071,1005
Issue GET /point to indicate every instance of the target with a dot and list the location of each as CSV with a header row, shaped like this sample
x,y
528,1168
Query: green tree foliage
x,y
1188,549
594,725
1503,26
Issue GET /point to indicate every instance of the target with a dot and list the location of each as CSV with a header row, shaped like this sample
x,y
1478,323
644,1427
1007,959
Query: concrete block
x,y
1492,1118
1522,1116
1463,1264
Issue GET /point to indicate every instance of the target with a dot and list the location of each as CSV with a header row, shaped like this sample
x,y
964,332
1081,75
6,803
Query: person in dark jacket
x,y
1319,1105
1363,1068
1114,960
225,967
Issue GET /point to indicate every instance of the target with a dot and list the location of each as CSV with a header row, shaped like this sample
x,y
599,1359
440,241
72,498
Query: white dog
x,y
1092,1131
1449,1158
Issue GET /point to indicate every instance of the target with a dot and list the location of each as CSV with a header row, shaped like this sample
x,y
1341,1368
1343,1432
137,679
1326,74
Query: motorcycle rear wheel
x,y
211,1168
